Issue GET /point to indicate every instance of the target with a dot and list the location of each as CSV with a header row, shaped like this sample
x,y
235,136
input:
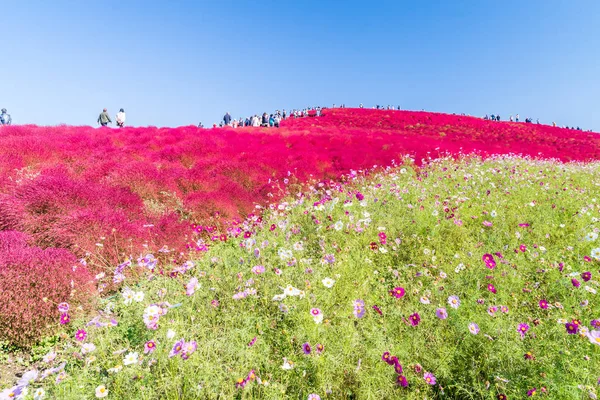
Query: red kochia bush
x,y
32,282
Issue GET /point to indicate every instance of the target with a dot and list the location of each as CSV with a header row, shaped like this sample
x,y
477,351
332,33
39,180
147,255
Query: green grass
x,y
559,202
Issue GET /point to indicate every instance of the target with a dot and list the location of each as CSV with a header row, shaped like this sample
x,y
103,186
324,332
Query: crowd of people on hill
x,y
528,120
267,120
271,120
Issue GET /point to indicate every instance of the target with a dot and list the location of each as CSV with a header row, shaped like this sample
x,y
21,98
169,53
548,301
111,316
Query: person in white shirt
x,y
121,118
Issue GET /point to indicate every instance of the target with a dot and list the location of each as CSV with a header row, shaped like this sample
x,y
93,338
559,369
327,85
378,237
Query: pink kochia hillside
x,y
67,191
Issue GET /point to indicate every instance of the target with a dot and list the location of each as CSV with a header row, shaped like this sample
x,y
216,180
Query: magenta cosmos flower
x,y
80,335
522,329
523,248
429,378
306,348
402,381
586,276
149,347
65,319
575,282
441,313
415,319
489,261
360,196
543,304
398,292
382,238
398,368
386,357
492,288
241,383
571,328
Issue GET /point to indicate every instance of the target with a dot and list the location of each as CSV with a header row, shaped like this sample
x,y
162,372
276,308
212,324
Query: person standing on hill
x,y
104,118
5,118
121,118
227,119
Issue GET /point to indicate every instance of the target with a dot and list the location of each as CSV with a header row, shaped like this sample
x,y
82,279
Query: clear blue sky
x,y
171,63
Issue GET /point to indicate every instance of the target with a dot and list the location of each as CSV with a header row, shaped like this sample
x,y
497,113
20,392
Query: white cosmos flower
x,y
48,358
101,391
39,394
287,364
153,310
88,348
328,282
590,289
170,334
291,291
138,296
279,297
131,358
114,370
338,226
590,237
128,296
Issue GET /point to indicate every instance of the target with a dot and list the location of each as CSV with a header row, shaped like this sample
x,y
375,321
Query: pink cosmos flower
x,y
441,313
149,347
259,269
63,308
429,378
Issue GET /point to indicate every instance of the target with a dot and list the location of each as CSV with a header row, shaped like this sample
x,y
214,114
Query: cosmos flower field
x,y
363,254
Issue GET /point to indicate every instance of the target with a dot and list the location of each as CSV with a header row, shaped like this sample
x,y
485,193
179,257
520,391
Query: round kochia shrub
x,y
32,282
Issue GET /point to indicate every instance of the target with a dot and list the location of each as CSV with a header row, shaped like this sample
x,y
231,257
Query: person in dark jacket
x,y
104,118
265,120
5,118
227,119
